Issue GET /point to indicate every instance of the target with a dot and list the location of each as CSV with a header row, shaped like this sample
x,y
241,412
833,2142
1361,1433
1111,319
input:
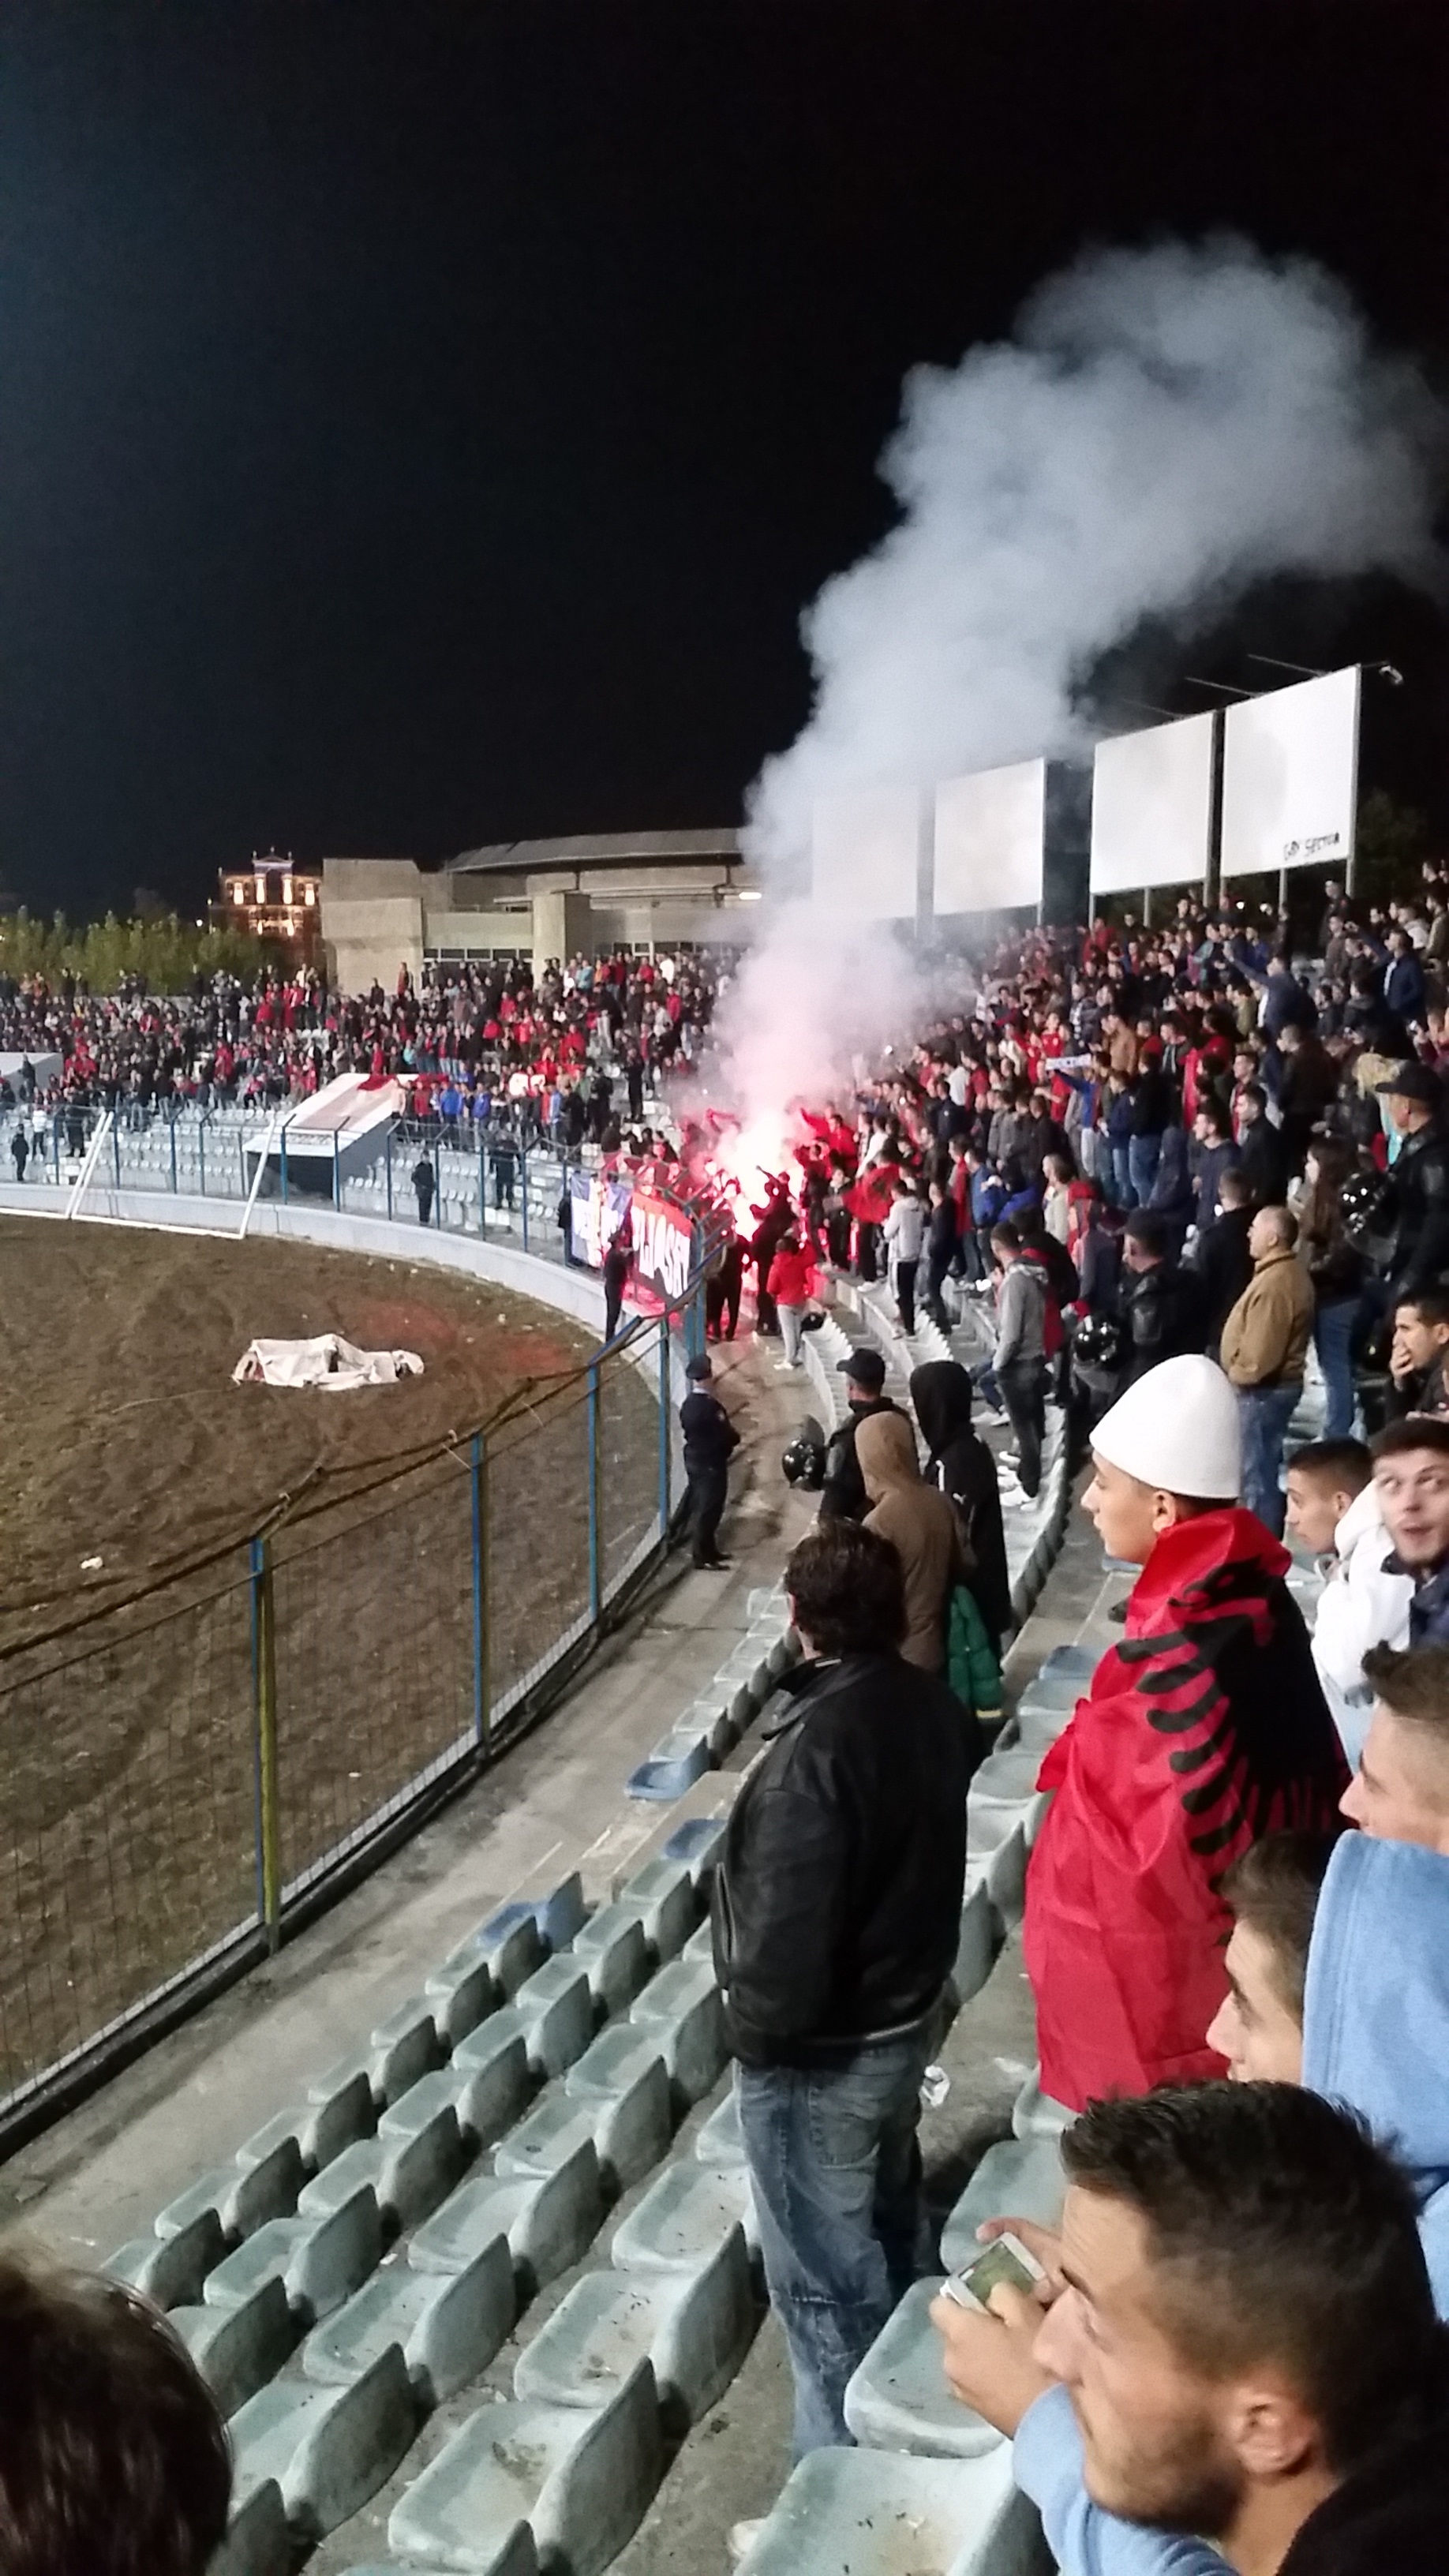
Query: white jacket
x,y
1361,1606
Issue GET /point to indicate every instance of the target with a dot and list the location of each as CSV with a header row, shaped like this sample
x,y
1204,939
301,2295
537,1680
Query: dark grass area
x,y
128,1802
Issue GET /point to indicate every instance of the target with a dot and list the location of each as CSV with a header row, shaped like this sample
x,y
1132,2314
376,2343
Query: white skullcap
x,y
1177,1430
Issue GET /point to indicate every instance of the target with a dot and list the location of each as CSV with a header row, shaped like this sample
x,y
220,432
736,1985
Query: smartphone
x,y
1005,2260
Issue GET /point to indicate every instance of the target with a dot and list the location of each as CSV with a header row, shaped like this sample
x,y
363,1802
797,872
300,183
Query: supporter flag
x,y
869,1199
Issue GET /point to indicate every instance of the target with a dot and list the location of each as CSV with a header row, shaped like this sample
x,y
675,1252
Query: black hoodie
x,y
941,1400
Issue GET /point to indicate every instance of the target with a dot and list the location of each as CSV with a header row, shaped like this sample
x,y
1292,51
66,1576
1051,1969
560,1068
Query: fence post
x,y
523,1171
480,1614
595,1582
201,1154
116,1143
171,1127
282,1141
336,1170
664,1425
264,1689
482,1180
55,1143
389,1175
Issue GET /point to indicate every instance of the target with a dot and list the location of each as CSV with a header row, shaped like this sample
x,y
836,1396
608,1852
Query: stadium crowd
x,y
1172,1161
471,1043
1166,1163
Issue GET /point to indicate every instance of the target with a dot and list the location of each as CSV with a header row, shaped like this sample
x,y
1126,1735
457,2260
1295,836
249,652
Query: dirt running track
x,y
128,1788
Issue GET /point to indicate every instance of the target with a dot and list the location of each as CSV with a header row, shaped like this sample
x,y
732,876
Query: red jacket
x,y
792,1277
1204,1729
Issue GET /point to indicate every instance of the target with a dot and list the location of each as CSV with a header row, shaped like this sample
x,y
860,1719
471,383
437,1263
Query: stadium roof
x,y
595,850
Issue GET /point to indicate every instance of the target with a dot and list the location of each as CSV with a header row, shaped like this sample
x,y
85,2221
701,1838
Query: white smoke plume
x,y
1166,428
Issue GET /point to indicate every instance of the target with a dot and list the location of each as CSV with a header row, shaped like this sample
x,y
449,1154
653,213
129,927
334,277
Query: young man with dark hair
x,y
836,1919
1158,1304
1272,1894
1411,1480
1202,1730
1019,1361
113,2453
843,1495
1417,1355
1221,1261
1242,2350
1333,1508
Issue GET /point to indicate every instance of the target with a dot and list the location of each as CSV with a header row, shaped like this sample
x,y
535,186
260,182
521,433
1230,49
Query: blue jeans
x,y
1333,1329
836,2174
1119,1186
1144,1153
1265,1413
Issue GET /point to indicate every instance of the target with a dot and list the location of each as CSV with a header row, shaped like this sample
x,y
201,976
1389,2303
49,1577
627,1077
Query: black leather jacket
x,y
843,1496
837,1906
1420,1257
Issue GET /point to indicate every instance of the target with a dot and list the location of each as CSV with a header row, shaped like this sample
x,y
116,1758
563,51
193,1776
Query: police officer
x,y
709,1439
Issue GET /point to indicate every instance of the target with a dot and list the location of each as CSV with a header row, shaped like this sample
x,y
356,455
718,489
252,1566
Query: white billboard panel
x,y
1290,776
1152,799
864,850
990,831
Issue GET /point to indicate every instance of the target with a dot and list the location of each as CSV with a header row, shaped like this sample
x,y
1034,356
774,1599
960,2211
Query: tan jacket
x,y
920,1525
1266,1335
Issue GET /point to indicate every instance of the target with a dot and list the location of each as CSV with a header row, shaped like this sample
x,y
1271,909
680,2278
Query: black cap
x,y
700,1367
866,1368
1415,1082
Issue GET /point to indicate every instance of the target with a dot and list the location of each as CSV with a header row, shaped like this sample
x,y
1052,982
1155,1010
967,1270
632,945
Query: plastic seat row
x,y
710,1729
387,2137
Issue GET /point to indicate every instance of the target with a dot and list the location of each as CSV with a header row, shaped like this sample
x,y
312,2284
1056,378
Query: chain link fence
x,y
183,1773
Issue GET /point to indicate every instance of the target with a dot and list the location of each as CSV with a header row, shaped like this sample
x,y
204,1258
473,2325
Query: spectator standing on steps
x,y
423,1186
1019,1361
842,1495
710,1440
905,1232
19,1151
1264,1344
836,1914
792,1276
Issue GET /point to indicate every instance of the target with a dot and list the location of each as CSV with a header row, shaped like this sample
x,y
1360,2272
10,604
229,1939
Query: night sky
x,y
423,425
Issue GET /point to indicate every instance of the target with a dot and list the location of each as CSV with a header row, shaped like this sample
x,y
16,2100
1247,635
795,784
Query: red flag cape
x,y
1204,1729
870,1198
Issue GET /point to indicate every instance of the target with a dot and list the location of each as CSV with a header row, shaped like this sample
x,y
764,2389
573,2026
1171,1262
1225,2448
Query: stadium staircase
x,y
463,2299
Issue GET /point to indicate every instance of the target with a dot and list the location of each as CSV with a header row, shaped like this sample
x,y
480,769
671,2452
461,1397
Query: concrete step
x,y
898,2399
580,2480
237,2350
319,2261
683,2219
548,2223
630,2132
1019,2178
693,2328
328,2449
881,2513
449,2324
684,2007
410,2174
